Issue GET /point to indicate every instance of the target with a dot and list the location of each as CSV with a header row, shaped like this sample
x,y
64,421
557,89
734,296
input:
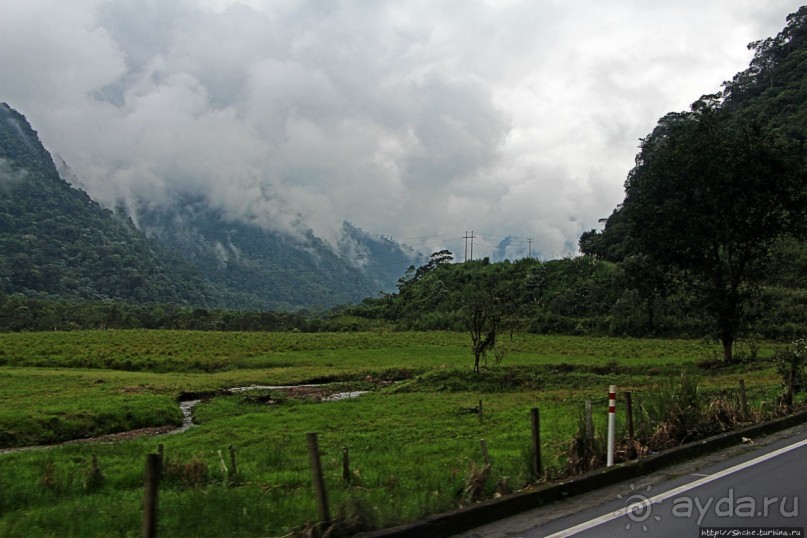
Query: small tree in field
x,y
484,317
488,305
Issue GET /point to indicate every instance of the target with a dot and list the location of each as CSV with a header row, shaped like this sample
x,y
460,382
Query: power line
x,y
424,237
487,245
471,239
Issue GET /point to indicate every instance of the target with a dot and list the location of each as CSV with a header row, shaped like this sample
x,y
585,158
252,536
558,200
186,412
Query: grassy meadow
x,y
413,439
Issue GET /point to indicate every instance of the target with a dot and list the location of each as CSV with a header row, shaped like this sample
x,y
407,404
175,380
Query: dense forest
x,y
709,241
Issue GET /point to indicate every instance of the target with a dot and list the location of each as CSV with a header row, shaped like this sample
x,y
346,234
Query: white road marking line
x,y
680,489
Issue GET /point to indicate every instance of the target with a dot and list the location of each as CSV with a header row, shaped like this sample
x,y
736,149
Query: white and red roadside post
x,y
611,424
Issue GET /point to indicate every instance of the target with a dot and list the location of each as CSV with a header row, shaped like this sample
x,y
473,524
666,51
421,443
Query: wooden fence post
x,y
631,452
152,485
346,465
535,421
233,466
589,422
318,479
629,414
484,447
744,400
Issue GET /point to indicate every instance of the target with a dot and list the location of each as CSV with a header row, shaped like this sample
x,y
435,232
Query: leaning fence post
x,y
535,421
611,424
152,485
318,479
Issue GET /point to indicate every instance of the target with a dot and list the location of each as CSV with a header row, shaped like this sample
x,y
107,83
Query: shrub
x,y
672,414
790,364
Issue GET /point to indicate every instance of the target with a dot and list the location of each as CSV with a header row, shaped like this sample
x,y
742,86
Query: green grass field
x,y
413,444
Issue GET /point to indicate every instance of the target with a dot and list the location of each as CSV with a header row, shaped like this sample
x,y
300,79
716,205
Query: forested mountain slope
x,y
56,241
771,95
263,269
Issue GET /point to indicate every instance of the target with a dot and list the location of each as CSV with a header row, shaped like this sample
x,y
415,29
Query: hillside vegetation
x,y
583,295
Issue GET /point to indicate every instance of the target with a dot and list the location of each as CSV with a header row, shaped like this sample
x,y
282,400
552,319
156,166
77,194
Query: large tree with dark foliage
x,y
708,197
716,188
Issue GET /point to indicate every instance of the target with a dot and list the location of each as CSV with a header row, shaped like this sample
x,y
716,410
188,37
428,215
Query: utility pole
x,y
467,237
529,248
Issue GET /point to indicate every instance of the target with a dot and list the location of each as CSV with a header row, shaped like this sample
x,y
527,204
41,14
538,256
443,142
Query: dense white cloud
x,y
416,119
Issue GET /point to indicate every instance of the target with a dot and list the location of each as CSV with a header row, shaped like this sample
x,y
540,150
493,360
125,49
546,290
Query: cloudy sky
x,y
419,120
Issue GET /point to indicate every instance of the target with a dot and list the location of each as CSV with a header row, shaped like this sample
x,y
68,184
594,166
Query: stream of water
x,y
187,406
187,411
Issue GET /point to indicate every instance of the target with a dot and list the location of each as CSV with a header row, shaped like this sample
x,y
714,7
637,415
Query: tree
x,y
777,71
610,244
709,197
649,281
484,315
490,303
414,275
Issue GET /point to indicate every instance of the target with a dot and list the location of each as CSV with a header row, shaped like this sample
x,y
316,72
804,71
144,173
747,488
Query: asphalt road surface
x,y
758,489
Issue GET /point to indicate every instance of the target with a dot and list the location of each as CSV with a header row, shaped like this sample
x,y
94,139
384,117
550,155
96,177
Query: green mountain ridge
x,y
56,242
271,270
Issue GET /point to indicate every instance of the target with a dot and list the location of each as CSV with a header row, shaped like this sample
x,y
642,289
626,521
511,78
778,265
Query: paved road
x,y
754,487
